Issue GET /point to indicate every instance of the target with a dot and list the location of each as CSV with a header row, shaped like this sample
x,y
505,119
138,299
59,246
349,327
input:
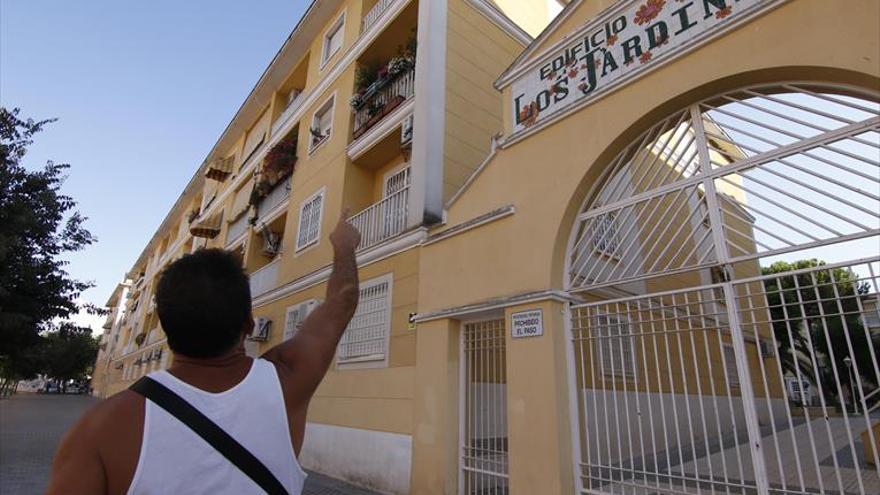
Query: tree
x,y
38,224
69,354
820,310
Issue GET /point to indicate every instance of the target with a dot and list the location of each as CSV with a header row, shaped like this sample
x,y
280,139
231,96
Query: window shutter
x,y
256,135
242,197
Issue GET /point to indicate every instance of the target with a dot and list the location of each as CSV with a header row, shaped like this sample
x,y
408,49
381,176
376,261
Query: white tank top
x,y
174,459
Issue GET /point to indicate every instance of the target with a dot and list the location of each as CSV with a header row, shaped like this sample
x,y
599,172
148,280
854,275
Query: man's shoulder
x,y
121,407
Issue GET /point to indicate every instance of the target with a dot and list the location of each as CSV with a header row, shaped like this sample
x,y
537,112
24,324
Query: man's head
x,y
204,303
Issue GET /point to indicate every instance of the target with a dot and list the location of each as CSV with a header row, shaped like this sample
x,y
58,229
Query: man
x,y
128,444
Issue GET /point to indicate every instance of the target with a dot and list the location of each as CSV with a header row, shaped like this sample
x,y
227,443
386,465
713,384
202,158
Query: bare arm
x,y
77,467
308,355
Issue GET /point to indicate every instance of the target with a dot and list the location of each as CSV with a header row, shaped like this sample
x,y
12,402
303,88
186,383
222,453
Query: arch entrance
x,y
729,334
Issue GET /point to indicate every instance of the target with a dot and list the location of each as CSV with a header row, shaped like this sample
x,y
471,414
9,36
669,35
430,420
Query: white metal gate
x,y
484,406
714,353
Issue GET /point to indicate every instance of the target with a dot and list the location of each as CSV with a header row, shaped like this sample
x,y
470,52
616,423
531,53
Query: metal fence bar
x,y
484,442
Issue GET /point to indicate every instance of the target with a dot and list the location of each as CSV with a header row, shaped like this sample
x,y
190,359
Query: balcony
x,y
382,220
292,106
265,279
381,98
274,199
374,14
237,228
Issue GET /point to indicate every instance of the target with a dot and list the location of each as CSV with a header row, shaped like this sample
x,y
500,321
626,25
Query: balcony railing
x,y
237,228
374,14
292,107
382,220
276,196
380,102
265,279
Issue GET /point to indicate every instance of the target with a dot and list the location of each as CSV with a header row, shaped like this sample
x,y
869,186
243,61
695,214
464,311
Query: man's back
x,y
128,444
252,412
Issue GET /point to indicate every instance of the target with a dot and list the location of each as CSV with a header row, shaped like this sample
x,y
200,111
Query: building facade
x,y
568,242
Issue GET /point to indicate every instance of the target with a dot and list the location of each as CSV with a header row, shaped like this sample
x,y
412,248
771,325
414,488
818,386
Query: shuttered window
x,y
616,344
242,197
295,317
322,124
256,136
310,221
366,337
333,40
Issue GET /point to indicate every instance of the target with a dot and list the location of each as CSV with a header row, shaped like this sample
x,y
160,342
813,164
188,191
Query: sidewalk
x,y
318,484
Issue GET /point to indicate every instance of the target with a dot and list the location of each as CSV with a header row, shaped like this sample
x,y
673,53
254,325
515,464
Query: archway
x,y
710,349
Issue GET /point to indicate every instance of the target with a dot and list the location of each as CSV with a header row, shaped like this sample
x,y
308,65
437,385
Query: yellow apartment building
x,y
566,218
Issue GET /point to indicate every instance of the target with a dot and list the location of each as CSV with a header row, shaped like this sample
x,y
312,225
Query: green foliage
x,y
38,224
69,353
366,74
814,314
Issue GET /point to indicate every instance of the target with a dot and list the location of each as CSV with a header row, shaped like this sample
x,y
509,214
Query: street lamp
x,y
852,391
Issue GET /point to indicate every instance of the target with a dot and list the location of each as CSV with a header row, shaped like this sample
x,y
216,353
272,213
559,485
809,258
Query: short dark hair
x,y
204,300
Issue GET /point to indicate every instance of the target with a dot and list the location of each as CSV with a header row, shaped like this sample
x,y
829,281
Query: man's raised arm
x,y
308,354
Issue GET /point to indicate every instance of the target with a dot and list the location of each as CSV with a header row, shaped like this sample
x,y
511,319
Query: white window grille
x,y
366,338
322,124
310,220
295,317
396,181
605,238
333,40
616,345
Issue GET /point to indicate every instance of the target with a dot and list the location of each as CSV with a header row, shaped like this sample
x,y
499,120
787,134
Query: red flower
x,y
598,63
645,56
649,11
529,115
726,11
573,72
612,40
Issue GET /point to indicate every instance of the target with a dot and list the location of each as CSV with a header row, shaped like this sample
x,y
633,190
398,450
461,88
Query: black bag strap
x,y
235,452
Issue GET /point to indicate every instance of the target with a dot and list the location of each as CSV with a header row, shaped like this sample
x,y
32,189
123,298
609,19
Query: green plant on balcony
x,y
278,164
280,160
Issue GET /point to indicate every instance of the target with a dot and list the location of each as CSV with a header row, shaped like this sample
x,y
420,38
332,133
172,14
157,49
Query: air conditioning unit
x,y
271,242
262,326
406,132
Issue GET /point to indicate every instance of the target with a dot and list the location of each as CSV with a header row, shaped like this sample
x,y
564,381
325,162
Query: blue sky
x,y
142,90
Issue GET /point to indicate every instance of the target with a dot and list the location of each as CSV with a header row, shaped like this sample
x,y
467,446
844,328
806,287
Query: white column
x,y
429,116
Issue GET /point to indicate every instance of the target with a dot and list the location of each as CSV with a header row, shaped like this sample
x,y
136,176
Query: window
x,y
310,221
322,124
333,40
394,208
730,365
605,238
366,338
616,345
295,317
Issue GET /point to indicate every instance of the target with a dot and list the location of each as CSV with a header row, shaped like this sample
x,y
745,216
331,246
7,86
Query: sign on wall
x,y
618,46
527,324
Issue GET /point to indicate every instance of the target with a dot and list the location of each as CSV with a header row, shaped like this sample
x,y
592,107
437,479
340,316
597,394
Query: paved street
x,y
31,426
